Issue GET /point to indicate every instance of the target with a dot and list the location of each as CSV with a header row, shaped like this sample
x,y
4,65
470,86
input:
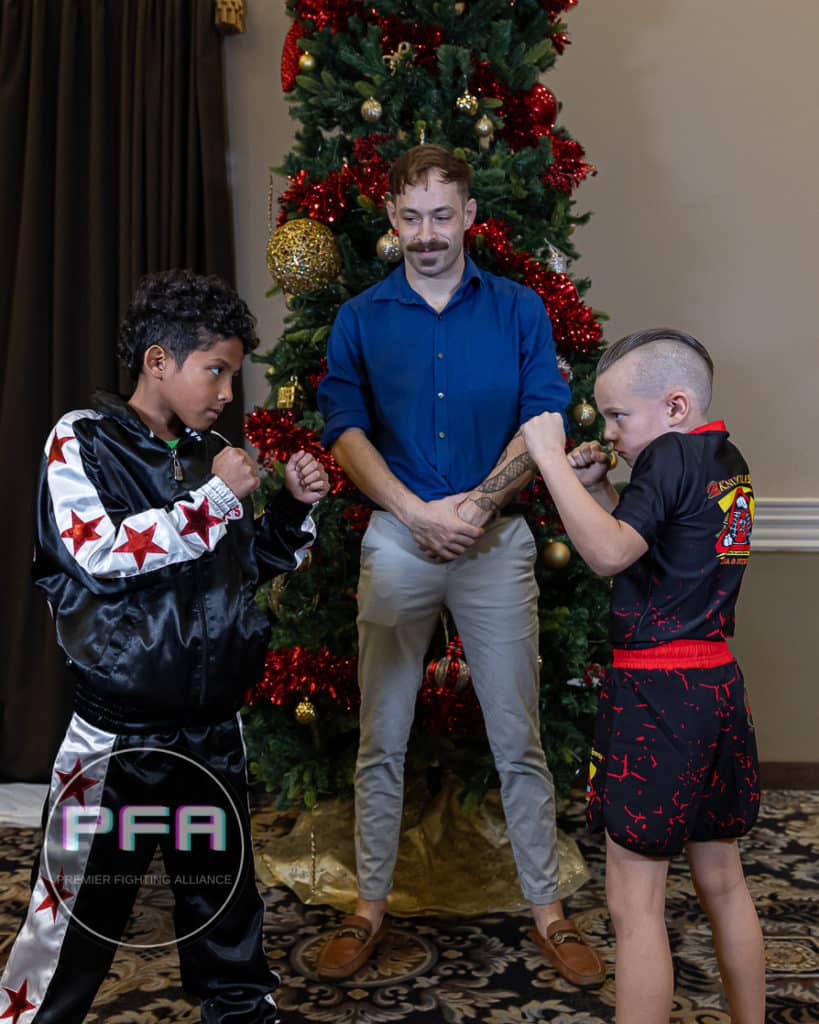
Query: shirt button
x,y
441,433
440,394
440,316
440,355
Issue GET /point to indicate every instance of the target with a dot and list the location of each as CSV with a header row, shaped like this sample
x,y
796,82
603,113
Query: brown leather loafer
x,y
566,950
349,947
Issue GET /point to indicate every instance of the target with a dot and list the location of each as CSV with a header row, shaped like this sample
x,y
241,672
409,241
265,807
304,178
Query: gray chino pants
x,y
492,595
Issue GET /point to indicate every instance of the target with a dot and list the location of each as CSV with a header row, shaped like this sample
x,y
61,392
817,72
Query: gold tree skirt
x,y
448,862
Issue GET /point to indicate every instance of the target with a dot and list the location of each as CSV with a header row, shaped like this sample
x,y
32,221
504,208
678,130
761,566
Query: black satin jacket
x,y
150,565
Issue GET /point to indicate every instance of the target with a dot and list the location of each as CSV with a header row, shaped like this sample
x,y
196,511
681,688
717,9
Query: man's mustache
x,y
434,246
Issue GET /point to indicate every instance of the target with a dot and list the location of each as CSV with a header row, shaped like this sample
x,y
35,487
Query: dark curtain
x,y
112,127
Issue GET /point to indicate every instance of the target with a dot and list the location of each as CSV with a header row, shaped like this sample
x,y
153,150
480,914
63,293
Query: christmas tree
x,y
365,83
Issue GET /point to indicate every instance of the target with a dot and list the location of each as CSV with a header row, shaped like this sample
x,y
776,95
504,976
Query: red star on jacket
x,y
18,1002
55,453
200,521
140,544
75,783
57,893
80,532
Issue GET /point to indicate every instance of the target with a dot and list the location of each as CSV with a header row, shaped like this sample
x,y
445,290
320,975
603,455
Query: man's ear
x,y
678,406
392,213
470,212
155,361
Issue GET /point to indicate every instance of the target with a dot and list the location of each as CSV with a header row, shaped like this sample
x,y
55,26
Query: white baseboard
x,y
786,524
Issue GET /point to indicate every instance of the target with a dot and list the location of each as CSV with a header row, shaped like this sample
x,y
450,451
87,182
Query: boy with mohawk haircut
x,y
674,764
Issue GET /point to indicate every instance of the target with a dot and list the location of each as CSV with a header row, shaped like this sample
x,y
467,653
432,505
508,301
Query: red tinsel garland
x,y
275,435
322,13
556,7
291,673
442,711
358,516
424,39
328,199
568,168
290,56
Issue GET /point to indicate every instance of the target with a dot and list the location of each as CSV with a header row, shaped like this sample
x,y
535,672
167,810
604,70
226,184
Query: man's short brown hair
x,y
414,165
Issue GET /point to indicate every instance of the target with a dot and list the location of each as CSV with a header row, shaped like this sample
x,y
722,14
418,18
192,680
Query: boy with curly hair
x,y
674,763
149,554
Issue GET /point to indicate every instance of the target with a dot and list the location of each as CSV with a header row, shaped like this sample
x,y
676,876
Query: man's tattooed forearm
x,y
486,504
521,464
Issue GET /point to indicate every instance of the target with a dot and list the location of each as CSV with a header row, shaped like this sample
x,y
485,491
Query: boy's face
x,y
431,218
632,420
198,390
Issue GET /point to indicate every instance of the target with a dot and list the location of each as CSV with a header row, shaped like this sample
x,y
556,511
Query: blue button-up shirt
x,y
440,394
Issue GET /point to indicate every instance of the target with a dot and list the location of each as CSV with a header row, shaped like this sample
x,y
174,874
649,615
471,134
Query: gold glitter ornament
x,y
467,104
289,395
484,128
302,255
305,712
584,414
307,62
388,247
556,554
371,110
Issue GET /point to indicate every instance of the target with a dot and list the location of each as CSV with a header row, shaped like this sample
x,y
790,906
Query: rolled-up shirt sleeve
x,y
542,387
344,390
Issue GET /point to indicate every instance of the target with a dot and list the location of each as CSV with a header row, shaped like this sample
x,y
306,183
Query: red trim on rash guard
x,y
714,425
675,654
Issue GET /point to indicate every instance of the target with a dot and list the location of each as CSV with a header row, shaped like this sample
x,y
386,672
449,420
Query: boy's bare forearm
x,y
605,495
605,544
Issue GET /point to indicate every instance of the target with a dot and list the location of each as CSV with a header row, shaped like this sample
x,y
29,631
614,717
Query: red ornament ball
x,y
542,105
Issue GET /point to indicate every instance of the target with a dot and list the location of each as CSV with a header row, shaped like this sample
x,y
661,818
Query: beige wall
x,y
701,119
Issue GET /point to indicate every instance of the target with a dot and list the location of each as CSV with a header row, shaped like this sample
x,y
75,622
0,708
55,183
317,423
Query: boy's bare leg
x,y
720,885
644,977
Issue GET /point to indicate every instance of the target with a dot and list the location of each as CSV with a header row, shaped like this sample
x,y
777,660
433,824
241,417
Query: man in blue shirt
x,y
430,374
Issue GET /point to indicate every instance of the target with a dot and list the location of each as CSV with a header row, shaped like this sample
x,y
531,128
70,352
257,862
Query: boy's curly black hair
x,y
182,312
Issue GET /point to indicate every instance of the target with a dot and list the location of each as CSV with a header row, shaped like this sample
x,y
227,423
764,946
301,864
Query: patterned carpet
x,y
486,971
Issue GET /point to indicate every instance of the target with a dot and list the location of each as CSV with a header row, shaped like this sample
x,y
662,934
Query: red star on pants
x,y
140,544
75,783
57,893
55,453
200,521
80,532
18,1002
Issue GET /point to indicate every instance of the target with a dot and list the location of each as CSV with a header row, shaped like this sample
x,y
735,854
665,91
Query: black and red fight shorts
x,y
674,756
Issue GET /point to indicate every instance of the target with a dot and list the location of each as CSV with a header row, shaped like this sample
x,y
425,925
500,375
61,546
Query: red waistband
x,y
676,654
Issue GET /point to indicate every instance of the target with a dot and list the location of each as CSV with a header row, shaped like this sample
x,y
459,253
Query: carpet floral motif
x,y
484,970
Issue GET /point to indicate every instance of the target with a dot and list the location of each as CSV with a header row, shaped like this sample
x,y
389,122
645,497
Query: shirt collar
x,y
713,425
396,287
